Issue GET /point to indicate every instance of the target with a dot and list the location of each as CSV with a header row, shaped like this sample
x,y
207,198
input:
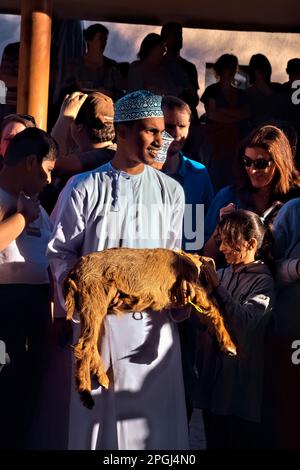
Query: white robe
x,y
145,406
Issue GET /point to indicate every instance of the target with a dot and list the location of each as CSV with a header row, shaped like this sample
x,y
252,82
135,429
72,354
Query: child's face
x,y
38,176
232,255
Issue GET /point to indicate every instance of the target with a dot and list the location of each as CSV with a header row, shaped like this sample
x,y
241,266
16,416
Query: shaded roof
x,y
253,15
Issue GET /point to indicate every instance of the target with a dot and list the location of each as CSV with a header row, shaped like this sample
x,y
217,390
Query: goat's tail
x,y
70,291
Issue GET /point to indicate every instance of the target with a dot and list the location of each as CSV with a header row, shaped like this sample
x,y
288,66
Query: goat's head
x,y
198,259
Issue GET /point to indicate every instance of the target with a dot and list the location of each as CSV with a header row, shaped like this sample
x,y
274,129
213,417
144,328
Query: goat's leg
x,y
222,334
211,312
96,365
88,307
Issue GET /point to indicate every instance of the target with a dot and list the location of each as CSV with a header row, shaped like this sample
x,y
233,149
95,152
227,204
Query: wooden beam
x,y
34,61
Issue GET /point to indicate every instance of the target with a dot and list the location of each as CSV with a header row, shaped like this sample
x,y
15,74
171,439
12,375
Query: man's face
x,y
173,39
143,139
39,175
177,124
98,42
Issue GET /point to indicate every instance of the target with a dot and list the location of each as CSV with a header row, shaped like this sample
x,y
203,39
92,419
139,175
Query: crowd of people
x,y
128,163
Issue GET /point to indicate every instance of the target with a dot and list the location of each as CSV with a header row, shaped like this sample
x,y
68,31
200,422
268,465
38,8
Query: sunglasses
x,y
259,164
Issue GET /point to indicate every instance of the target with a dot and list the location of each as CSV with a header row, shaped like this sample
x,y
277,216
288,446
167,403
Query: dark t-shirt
x,y
95,158
215,91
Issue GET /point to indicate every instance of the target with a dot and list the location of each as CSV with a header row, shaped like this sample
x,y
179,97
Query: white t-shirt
x,y
24,261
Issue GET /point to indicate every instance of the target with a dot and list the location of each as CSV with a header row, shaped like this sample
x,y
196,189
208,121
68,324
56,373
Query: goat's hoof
x,y
230,350
87,399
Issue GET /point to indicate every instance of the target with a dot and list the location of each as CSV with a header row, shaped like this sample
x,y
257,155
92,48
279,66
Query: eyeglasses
x,y
259,164
28,117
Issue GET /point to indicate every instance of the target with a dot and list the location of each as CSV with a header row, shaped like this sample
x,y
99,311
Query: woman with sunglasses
x,y
266,174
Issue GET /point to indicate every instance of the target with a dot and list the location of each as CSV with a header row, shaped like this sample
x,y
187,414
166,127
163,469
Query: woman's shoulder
x,y
226,193
223,197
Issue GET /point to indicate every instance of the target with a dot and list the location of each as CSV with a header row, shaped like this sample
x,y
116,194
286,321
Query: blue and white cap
x,y
162,154
139,104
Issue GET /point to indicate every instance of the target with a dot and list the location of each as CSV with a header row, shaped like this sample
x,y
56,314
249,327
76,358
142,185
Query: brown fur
x,y
145,279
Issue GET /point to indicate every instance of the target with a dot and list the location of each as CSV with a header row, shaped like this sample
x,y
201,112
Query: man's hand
x,y
72,104
116,302
183,293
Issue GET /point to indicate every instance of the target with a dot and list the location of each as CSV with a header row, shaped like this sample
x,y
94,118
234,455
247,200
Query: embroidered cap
x,y
139,104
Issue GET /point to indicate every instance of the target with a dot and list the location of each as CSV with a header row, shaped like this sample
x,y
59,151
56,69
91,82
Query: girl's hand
x,y
227,210
208,270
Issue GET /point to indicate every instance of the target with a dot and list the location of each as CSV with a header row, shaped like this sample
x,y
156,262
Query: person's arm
x,y
288,270
242,316
211,248
242,319
284,229
10,228
286,245
68,112
66,240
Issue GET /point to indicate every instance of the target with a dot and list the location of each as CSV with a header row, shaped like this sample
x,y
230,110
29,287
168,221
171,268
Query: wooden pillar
x,y
34,60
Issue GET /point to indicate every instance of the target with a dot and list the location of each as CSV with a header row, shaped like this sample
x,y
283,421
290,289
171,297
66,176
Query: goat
x,y
144,279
